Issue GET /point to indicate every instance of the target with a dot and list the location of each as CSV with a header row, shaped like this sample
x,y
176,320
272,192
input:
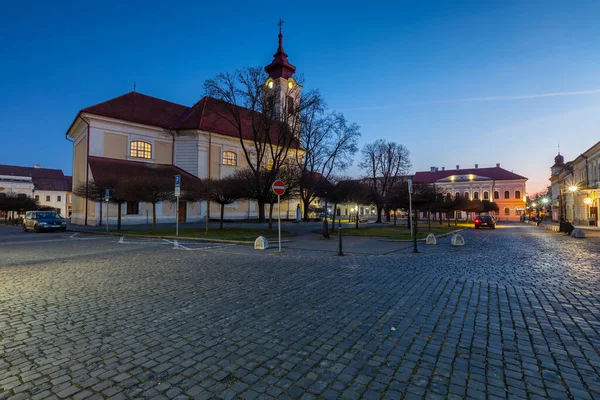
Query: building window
x,y
506,195
59,198
229,158
47,198
37,197
518,194
139,149
448,196
467,195
496,195
506,211
133,207
486,195
457,195
475,195
270,164
290,104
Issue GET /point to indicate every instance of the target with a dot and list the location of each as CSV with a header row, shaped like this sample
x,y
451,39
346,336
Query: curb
x,y
422,240
240,242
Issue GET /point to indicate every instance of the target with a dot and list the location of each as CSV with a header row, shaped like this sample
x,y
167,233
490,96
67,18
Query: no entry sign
x,y
278,187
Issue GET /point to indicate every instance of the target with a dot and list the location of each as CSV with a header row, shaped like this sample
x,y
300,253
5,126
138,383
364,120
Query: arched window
x,y
448,196
475,195
507,211
457,195
486,195
467,195
496,194
506,194
139,149
229,158
518,194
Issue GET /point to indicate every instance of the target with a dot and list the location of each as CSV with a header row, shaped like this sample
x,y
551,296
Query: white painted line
x,y
73,235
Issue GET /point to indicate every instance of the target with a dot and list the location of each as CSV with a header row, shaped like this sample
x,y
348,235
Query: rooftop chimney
x,y
457,167
36,165
443,168
432,169
498,165
476,166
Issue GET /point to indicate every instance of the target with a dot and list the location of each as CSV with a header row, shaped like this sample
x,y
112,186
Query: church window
x,y
518,194
496,194
506,194
139,149
133,207
229,158
486,195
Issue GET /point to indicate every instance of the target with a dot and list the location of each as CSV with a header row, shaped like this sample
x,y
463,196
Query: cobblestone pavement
x,y
513,314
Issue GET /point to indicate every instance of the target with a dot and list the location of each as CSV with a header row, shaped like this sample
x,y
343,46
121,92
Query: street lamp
x,y
573,189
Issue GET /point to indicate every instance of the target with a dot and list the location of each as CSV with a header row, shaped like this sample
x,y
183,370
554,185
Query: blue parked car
x,y
43,221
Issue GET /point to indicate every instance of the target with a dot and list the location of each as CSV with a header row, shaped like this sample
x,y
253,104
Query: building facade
x,y
575,188
495,184
49,187
136,132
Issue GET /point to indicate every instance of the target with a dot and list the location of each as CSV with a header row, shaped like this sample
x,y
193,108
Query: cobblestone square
x,y
513,314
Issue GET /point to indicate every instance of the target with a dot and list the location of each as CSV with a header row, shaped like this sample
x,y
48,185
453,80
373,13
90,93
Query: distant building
x,y
49,187
575,187
496,184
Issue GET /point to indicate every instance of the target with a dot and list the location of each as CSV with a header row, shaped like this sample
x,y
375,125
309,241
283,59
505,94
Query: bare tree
x,y
329,142
223,192
267,130
386,162
153,191
92,191
354,192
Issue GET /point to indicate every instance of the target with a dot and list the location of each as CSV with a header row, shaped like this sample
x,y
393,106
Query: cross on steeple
x,y
280,25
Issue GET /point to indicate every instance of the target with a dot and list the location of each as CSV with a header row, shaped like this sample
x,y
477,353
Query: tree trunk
x,y
395,217
118,216
101,207
388,217
306,205
271,216
379,210
333,218
440,215
429,217
154,216
356,217
222,216
261,211
456,219
448,221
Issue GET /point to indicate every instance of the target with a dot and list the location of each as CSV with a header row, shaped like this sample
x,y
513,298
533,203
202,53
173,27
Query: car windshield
x,y
47,215
485,217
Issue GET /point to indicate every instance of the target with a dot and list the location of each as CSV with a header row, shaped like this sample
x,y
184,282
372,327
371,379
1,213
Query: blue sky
x,y
455,82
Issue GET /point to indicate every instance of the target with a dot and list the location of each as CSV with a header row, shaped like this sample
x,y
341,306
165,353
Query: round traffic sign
x,y
278,187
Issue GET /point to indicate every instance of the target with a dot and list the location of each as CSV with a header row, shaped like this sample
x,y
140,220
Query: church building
x,y
135,136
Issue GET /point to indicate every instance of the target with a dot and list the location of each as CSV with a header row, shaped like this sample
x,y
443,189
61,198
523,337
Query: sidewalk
x,y
590,231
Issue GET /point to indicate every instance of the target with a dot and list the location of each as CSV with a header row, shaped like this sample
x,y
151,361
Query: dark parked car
x,y
485,220
44,220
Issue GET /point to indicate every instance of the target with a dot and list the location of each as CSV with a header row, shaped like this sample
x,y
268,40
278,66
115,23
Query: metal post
x,y
340,253
177,216
107,215
279,220
414,227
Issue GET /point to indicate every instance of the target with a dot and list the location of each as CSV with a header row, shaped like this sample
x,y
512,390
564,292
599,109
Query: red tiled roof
x,y
42,178
208,114
497,173
141,109
108,169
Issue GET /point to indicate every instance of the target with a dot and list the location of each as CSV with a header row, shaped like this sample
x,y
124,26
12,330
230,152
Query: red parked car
x,y
485,220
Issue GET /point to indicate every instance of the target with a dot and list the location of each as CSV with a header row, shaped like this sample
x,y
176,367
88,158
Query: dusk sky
x,y
455,82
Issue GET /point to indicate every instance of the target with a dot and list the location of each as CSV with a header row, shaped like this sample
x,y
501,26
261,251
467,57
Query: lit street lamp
x,y
573,189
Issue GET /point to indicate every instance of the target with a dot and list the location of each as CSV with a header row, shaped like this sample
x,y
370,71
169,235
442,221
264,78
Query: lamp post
x,y
524,206
573,189
545,201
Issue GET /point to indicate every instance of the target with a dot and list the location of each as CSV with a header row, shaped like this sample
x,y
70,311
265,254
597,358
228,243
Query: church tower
x,y
281,89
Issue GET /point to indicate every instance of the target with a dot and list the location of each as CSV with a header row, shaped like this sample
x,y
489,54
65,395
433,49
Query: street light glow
x,y
573,188
545,200
533,204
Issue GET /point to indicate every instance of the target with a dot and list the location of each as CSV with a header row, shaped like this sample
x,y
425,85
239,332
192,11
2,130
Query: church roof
x,y
109,169
495,173
208,114
280,67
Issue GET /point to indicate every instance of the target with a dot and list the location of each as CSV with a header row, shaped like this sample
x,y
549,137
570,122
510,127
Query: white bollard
x,y
457,240
122,239
261,243
578,233
175,244
431,239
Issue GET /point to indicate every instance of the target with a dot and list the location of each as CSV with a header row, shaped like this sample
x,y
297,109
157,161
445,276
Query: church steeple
x,y
280,67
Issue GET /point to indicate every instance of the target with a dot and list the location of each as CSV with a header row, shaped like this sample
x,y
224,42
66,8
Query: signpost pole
x,y
279,220
106,199
177,193
413,231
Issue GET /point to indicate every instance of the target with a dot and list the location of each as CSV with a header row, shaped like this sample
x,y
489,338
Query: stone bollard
x,y
261,243
457,240
431,239
578,233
